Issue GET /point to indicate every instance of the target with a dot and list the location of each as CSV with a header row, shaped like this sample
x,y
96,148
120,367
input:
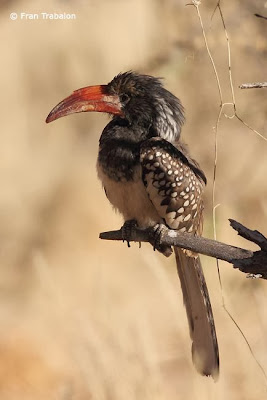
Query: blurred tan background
x,y
85,319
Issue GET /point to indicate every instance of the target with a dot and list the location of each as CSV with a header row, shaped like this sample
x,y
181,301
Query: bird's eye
x,y
124,98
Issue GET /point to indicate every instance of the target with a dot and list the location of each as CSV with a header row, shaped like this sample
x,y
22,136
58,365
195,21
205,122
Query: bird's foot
x,y
126,230
158,232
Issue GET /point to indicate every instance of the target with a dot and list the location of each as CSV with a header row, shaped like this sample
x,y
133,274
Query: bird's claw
x,y
126,230
158,232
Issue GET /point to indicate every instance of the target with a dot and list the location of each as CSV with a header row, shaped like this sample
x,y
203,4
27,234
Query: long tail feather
x,y
205,352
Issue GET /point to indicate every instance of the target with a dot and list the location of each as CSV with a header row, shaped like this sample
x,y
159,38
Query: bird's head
x,y
139,99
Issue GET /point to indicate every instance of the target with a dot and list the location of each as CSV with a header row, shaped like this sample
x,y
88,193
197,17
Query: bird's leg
x,y
158,232
126,230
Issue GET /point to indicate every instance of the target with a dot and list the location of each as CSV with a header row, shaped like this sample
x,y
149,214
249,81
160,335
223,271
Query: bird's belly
x,y
130,198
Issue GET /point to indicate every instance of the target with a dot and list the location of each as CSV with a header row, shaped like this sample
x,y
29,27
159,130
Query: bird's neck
x,y
119,150
168,121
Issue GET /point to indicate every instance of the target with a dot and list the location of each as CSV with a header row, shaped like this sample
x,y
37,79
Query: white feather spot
x,y
175,224
171,215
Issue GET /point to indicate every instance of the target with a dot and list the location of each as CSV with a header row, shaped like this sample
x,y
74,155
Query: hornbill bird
x,y
149,177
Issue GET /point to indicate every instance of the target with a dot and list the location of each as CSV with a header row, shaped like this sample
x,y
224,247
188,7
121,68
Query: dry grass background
x,y
84,319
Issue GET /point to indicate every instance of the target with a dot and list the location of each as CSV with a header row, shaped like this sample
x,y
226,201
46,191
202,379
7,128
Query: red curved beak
x,y
91,98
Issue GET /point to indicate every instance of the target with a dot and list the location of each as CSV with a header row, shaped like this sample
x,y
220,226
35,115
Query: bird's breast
x,y
129,197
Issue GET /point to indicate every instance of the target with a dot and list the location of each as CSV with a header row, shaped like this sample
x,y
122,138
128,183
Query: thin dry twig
x,y
260,16
256,85
216,130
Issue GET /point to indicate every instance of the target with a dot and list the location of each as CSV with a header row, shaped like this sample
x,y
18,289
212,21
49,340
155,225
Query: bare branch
x,y
247,261
256,85
252,236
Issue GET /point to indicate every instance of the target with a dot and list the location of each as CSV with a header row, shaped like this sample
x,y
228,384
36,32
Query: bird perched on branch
x,y
149,177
